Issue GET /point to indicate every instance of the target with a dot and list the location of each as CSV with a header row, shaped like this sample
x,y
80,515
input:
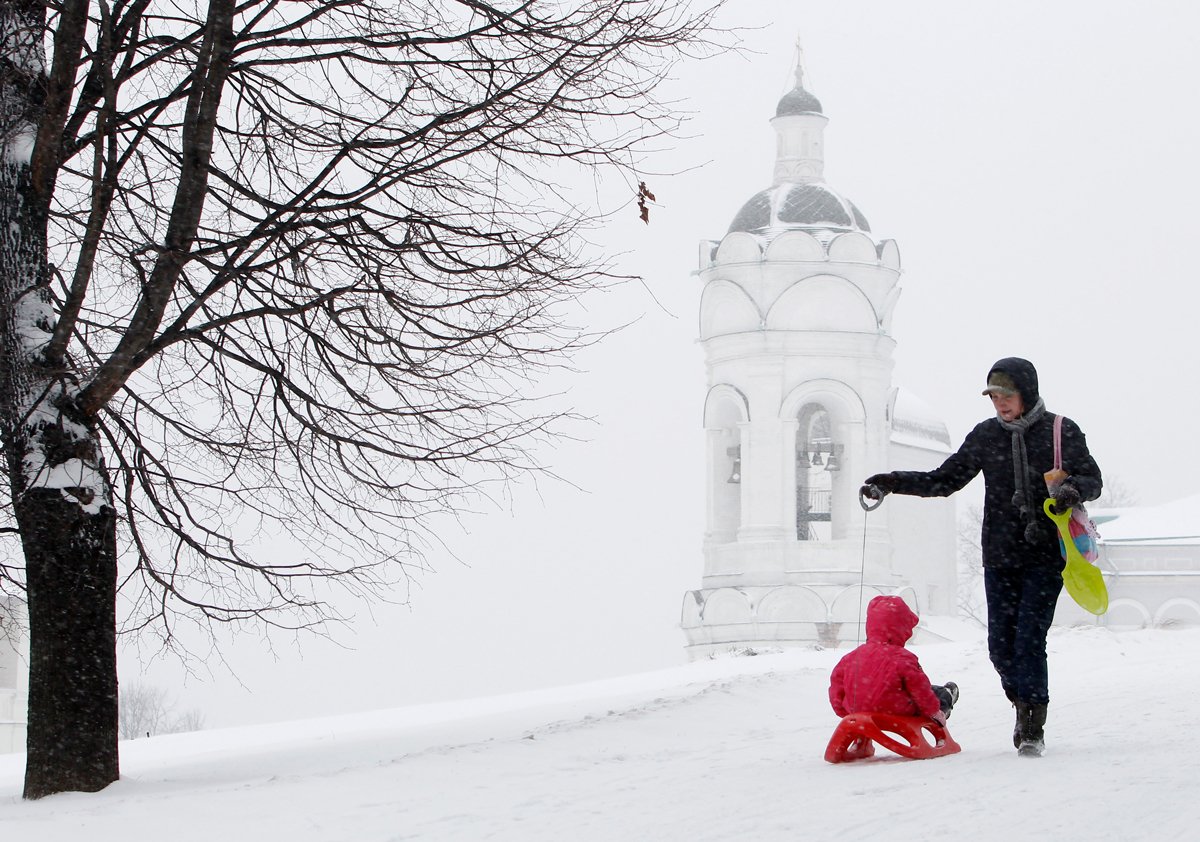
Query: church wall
x,y
1150,584
13,690
763,281
924,534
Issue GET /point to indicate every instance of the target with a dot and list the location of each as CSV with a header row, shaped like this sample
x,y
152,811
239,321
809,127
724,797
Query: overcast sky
x,y
1036,164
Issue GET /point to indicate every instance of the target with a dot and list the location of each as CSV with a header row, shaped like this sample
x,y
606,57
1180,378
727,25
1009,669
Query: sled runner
x,y
914,737
1083,581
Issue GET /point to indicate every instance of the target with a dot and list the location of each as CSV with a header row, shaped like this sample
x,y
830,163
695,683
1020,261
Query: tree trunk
x,y
71,558
60,492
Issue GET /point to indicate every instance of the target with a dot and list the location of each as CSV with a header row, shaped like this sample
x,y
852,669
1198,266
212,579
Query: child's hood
x,y
890,620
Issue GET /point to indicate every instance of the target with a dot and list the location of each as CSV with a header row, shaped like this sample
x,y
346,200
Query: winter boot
x,y
953,688
1031,736
947,695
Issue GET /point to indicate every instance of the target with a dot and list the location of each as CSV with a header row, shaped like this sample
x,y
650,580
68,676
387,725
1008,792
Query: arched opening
x,y
818,459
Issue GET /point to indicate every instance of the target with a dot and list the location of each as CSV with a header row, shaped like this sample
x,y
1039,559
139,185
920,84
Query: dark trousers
x,y
1020,605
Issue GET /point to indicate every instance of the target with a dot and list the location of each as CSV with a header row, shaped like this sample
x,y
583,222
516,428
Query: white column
x,y
762,482
847,512
787,492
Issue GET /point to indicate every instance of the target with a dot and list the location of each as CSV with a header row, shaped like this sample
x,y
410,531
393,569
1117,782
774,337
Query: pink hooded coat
x,y
881,676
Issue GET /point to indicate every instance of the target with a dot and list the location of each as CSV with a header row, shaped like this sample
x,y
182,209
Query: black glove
x,y
1066,496
878,486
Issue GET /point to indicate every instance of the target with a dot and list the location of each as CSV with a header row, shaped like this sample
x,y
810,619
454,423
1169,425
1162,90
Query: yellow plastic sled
x,y
1083,580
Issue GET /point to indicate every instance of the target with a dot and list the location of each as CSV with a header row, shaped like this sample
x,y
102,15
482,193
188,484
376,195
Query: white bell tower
x,y
795,321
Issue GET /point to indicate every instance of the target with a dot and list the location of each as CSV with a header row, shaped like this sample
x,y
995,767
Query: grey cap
x,y
1000,383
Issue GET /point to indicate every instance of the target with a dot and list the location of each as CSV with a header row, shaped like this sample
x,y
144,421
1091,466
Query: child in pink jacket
x,y
881,676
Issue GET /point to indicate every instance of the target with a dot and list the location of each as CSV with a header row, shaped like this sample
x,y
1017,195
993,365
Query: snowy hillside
x,y
719,750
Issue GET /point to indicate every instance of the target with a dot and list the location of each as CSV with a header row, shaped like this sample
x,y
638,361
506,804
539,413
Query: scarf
x,y
1023,498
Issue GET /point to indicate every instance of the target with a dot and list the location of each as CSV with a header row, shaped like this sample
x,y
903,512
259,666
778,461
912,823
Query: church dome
x,y
798,205
798,101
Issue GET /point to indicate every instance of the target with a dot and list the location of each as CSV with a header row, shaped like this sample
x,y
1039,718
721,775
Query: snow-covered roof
x,y
916,424
793,204
797,101
1177,522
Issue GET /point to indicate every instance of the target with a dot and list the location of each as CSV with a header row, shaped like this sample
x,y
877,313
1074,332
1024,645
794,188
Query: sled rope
x,y
860,621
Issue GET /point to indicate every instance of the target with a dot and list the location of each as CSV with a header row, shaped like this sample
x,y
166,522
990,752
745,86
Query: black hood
x,y
1023,374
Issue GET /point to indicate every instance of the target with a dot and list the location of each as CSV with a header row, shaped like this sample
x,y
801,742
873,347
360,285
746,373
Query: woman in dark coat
x,y
1022,563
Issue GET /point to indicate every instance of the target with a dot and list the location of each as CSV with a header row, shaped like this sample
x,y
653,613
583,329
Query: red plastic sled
x,y
914,737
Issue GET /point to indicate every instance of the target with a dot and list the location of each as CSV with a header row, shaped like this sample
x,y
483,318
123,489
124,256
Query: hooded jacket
x,y
987,449
881,676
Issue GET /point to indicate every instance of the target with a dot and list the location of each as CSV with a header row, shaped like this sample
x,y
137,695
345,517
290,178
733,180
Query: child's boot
x,y
947,695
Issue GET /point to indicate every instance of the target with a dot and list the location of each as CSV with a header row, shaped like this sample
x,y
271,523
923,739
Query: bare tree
x,y
1116,494
971,602
289,267
185,721
146,710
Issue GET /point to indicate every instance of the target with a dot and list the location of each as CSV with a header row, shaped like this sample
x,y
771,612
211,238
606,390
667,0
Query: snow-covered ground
x,y
719,750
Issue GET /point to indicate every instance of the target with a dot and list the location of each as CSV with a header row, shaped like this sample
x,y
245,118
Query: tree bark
x,y
71,557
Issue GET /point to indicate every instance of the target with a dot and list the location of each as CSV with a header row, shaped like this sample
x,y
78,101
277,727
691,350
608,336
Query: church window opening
x,y
818,459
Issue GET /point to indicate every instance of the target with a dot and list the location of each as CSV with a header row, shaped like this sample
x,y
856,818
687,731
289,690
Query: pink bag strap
x,y
1058,442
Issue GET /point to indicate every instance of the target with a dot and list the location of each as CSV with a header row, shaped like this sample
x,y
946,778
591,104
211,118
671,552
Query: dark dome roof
x,y
798,205
798,101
